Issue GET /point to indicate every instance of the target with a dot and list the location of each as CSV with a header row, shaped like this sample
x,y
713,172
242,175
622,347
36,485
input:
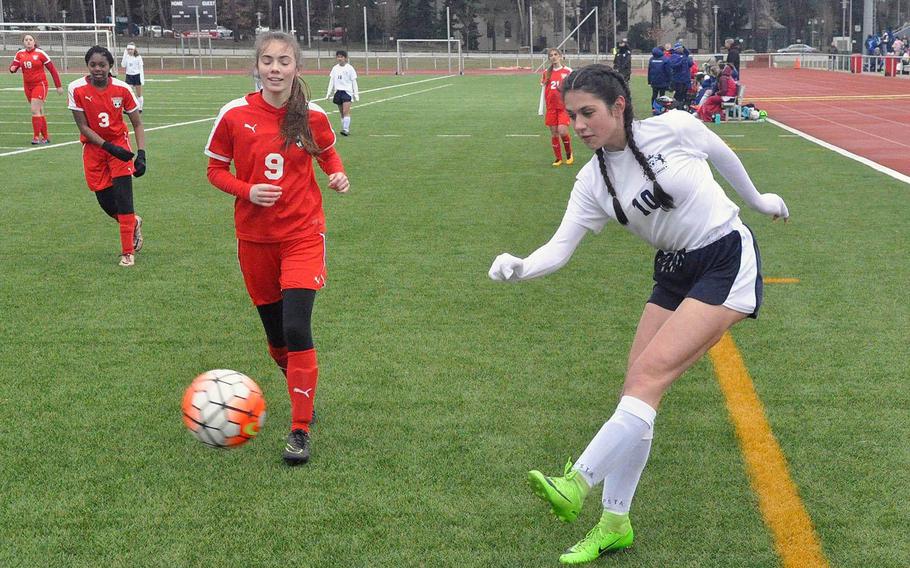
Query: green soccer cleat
x,y
613,532
565,494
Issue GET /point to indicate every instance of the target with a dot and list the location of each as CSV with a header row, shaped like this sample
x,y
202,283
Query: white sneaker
x,y
127,260
137,235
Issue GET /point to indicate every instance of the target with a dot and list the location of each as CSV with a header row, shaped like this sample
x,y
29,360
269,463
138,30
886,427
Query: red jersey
x,y
103,108
553,87
32,63
247,132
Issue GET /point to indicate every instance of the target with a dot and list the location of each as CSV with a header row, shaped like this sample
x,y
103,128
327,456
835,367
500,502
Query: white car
x,y
797,48
223,32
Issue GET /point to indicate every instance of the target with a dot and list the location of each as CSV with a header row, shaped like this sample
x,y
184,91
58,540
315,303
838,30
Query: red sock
x,y
280,355
44,127
127,226
36,126
567,142
303,374
554,141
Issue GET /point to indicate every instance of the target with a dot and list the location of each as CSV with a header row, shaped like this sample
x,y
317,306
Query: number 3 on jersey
x,y
104,119
274,164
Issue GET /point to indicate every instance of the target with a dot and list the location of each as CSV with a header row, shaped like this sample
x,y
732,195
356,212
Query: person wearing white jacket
x,y
343,82
135,73
652,177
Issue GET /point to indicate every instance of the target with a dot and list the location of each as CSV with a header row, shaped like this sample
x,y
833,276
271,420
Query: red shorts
x,y
101,168
269,268
36,91
555,117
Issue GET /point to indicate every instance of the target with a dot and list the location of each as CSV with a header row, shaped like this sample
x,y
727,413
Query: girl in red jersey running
x,y
33,61
272,136
98,102
556,118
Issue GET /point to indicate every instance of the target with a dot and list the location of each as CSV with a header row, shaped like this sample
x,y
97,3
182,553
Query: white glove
x,y
772,204
506,268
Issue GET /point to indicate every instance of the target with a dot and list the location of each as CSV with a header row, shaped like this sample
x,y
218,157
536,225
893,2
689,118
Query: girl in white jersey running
x,y
653,177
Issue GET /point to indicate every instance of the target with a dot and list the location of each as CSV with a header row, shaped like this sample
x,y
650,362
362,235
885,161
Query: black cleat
x,y
297,448
345,133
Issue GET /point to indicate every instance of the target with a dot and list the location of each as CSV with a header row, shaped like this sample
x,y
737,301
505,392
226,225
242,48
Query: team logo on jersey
x,y
253,127
658,163
35,57
118,101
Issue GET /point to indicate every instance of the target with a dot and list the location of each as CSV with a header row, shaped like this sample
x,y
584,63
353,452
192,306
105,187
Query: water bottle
x,y
716,118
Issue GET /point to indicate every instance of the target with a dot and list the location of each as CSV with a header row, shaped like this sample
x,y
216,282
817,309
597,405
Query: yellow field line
x,y
827,98
778,498
781,280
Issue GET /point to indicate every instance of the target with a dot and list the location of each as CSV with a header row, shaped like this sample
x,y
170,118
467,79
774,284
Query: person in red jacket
x,y
98,103
556,118
32,61
272,136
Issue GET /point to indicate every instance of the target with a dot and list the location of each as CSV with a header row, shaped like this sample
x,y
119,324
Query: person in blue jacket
x,y
658,74
679,69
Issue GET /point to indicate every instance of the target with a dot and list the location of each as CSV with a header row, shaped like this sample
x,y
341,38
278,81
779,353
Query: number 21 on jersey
x,y
274,164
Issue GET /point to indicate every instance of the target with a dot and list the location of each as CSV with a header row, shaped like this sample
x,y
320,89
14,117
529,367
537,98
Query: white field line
x,y
189,122
846,153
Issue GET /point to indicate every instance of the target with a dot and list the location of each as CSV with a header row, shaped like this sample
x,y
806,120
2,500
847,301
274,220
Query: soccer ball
x,y
223,408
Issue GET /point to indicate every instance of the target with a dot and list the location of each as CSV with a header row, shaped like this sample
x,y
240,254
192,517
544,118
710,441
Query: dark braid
x,y
620,214
608,84
664,199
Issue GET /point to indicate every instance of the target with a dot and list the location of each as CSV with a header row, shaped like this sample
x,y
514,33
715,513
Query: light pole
x,y
615,42
843,25
309,35
715,8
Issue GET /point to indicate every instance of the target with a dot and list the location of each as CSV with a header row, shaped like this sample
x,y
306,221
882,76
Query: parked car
x,y
261,29
223,33
158,31
797,48
334,34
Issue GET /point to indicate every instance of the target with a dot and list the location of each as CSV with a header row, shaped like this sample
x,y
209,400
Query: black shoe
x,y
345,133
297,448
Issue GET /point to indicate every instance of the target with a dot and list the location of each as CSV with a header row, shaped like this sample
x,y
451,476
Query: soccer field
x,y
439,389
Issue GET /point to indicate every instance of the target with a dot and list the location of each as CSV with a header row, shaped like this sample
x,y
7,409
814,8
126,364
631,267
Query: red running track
x,y
864,114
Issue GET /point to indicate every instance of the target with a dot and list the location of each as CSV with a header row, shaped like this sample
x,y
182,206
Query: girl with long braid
x,y
272,136
653,177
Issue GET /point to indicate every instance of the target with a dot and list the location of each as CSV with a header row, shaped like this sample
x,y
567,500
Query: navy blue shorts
x,y
341,97
134,79
726,272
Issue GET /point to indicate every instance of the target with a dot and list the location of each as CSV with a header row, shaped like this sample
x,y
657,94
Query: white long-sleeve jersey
x,y
343,78
678,146
133,65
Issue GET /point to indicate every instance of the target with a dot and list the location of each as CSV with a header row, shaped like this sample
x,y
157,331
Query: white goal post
x,y
432,49
66,42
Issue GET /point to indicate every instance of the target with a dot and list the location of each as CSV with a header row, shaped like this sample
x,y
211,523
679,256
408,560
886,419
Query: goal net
x,y
66,44
429,55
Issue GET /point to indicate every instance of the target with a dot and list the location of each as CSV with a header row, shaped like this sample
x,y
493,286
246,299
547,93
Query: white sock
x,y
621,483
346,123
628,425
141,102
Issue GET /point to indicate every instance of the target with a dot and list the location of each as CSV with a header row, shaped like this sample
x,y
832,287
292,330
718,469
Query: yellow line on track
x,y
781,280
828,98
778,498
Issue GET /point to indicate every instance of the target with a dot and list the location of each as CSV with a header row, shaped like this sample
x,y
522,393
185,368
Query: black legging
x,y
287,321
118,198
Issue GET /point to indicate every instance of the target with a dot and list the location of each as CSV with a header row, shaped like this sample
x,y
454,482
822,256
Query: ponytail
x,y
295,128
